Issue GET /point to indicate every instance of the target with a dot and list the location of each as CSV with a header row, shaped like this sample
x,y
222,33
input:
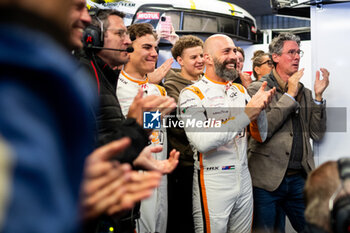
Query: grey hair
x,y
277,43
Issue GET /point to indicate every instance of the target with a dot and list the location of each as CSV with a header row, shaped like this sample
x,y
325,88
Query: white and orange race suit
x,y
154,210
222,188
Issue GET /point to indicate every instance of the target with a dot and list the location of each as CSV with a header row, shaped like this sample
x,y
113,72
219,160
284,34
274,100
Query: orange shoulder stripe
x,y
239,86
196,91
161,90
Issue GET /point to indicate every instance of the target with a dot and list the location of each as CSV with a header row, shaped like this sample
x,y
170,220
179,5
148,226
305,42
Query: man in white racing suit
x,y
222,189
132,78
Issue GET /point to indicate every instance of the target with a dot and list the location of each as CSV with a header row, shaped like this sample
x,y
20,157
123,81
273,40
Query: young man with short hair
x,y
188,52
132,78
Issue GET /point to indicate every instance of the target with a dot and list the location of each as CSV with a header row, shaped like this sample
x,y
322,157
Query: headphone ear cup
x,y
92,37
340,215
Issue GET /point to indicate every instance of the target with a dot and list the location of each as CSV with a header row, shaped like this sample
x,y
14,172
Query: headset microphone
x,y
93,36
93,39
128,50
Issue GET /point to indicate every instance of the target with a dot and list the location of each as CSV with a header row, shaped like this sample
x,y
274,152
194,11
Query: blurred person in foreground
x,y
327,195
45,117
47,127
320,185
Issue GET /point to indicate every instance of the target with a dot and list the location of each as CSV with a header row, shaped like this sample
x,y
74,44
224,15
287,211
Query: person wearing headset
x,y
106,44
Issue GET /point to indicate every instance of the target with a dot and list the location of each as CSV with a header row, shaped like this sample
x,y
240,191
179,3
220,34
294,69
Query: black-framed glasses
x,y
293,52
268,62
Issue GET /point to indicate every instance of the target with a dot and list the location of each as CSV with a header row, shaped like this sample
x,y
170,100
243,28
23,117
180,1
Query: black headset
x,y
340,211
93,35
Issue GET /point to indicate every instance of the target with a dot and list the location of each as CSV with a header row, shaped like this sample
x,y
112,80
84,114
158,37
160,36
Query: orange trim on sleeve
x,y
239,86
204,194
254,131
196,91
140,82
161,90
227,120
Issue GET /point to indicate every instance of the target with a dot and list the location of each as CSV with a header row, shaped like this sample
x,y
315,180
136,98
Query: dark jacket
x,y
177,138
45,120
111,124
268,161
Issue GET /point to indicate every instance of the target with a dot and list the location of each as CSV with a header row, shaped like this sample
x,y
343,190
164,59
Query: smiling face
x,y
115,37
224,58
286,63
52,11
143,59
191,62
79,19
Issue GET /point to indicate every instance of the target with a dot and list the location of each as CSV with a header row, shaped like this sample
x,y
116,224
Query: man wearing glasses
x,y
111,50
279,165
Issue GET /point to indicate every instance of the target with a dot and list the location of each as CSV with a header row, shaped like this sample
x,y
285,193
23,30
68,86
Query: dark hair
x,y
102,15
239,49
185,42
257,60
141,29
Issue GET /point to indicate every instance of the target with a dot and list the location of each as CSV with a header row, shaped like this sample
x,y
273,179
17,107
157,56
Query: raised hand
x,y
164,104
259,101
104,179
293,82
146,161
246,79
321,85
158,74
140,186
109,187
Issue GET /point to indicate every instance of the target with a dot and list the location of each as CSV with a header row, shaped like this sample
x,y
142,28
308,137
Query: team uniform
x,y
222,188
154,210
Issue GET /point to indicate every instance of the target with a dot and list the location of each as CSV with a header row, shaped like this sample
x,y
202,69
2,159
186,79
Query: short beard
x,y
223,72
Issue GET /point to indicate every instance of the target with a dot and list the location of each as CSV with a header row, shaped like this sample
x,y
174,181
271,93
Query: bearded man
x,y
222,188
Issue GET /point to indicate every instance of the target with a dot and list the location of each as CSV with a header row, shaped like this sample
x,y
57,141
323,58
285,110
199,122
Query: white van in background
x,y
197,17
201,18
